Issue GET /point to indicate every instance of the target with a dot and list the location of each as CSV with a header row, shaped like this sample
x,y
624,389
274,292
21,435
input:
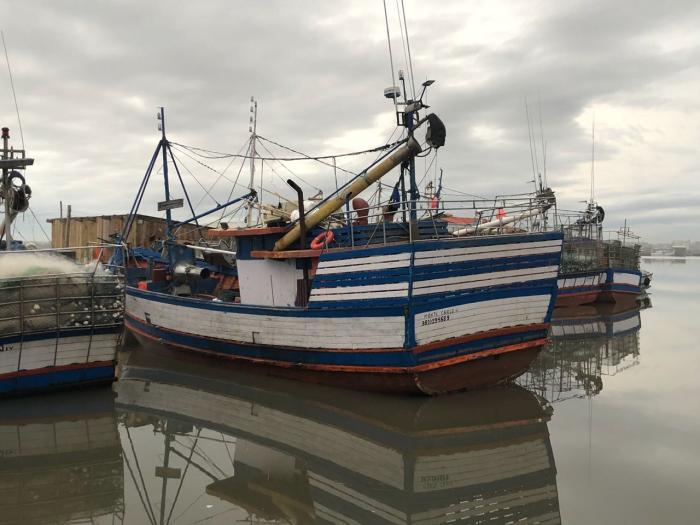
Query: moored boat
x,y
371,303
60,321
597,267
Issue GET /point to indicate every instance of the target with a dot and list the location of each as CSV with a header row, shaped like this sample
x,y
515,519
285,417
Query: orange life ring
x,y
323,238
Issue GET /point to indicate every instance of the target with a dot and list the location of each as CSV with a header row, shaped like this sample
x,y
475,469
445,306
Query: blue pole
x,y
168,214
139,195
414,187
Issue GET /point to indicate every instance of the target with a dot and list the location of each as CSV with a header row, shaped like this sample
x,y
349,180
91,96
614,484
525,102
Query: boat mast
x,y
163,147
593,161
253,132
410,165
7,224
15,197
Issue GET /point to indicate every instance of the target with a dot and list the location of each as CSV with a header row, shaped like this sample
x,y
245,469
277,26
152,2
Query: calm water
x,y
605,428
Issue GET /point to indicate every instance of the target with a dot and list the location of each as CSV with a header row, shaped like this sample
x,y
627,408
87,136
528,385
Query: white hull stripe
x,y
474,250
486,256
402,260
626,278
448,284
32,355
470,318
374,262
471,282
286,331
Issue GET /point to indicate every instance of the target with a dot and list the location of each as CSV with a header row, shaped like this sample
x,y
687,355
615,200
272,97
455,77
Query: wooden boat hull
x,y
599,286
430,317
486,368
58,331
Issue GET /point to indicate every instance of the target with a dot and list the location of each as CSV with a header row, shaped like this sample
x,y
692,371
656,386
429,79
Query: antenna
x,y
252,128
533,152
544,145
593,160
12,85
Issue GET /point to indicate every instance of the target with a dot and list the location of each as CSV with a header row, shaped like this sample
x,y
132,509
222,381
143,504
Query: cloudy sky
x,y
89,76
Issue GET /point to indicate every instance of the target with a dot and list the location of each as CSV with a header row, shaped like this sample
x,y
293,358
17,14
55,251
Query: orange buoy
x,y
322,239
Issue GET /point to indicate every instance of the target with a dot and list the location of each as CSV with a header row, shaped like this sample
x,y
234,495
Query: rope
x,y
291,172
40,226
391,56
212,155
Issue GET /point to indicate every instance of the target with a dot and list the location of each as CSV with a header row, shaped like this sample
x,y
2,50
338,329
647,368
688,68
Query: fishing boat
x,y
597,266
301,453
383,298
60,318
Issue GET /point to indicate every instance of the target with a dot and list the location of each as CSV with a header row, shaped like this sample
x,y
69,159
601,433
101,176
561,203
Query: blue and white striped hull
x,y
605,285
57,359
430,316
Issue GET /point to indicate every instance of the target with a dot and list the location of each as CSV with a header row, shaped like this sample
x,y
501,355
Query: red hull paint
x,y
623,298
479,370
577,299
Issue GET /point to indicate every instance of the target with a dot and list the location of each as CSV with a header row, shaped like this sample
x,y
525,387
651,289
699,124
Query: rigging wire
x,y
391,55
213,155
291,172
221,175
12,85
408,46
40,226
179,161
457,192
403,47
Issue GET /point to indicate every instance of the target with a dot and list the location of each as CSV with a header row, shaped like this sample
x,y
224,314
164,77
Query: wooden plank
x,y
287,254
245,232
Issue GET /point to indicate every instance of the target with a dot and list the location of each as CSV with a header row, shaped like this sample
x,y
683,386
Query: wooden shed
x,y
83,231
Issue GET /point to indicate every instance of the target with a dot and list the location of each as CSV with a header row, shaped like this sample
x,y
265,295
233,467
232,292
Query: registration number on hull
x,y
439,316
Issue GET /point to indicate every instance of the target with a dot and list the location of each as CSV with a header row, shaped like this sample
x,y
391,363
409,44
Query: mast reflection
x,y
265,450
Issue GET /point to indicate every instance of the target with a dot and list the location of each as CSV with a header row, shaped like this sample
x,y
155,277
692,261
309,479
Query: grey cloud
x,y
90,75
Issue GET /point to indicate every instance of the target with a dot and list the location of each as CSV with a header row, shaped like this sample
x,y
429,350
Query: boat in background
x,y
60,321
371,303
303,453
597,266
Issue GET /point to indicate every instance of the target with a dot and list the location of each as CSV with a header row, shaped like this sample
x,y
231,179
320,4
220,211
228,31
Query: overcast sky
x,y
90,75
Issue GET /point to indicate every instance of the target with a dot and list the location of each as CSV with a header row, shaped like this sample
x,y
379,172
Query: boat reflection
x,y
265,450
60,459
587,343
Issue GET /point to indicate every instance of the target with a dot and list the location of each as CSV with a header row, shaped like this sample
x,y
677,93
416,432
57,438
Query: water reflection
x,y
277,452
587,343
190,440
60,459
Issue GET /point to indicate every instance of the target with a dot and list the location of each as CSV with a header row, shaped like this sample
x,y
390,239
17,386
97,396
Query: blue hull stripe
x,y
422,246
433,271
56,379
